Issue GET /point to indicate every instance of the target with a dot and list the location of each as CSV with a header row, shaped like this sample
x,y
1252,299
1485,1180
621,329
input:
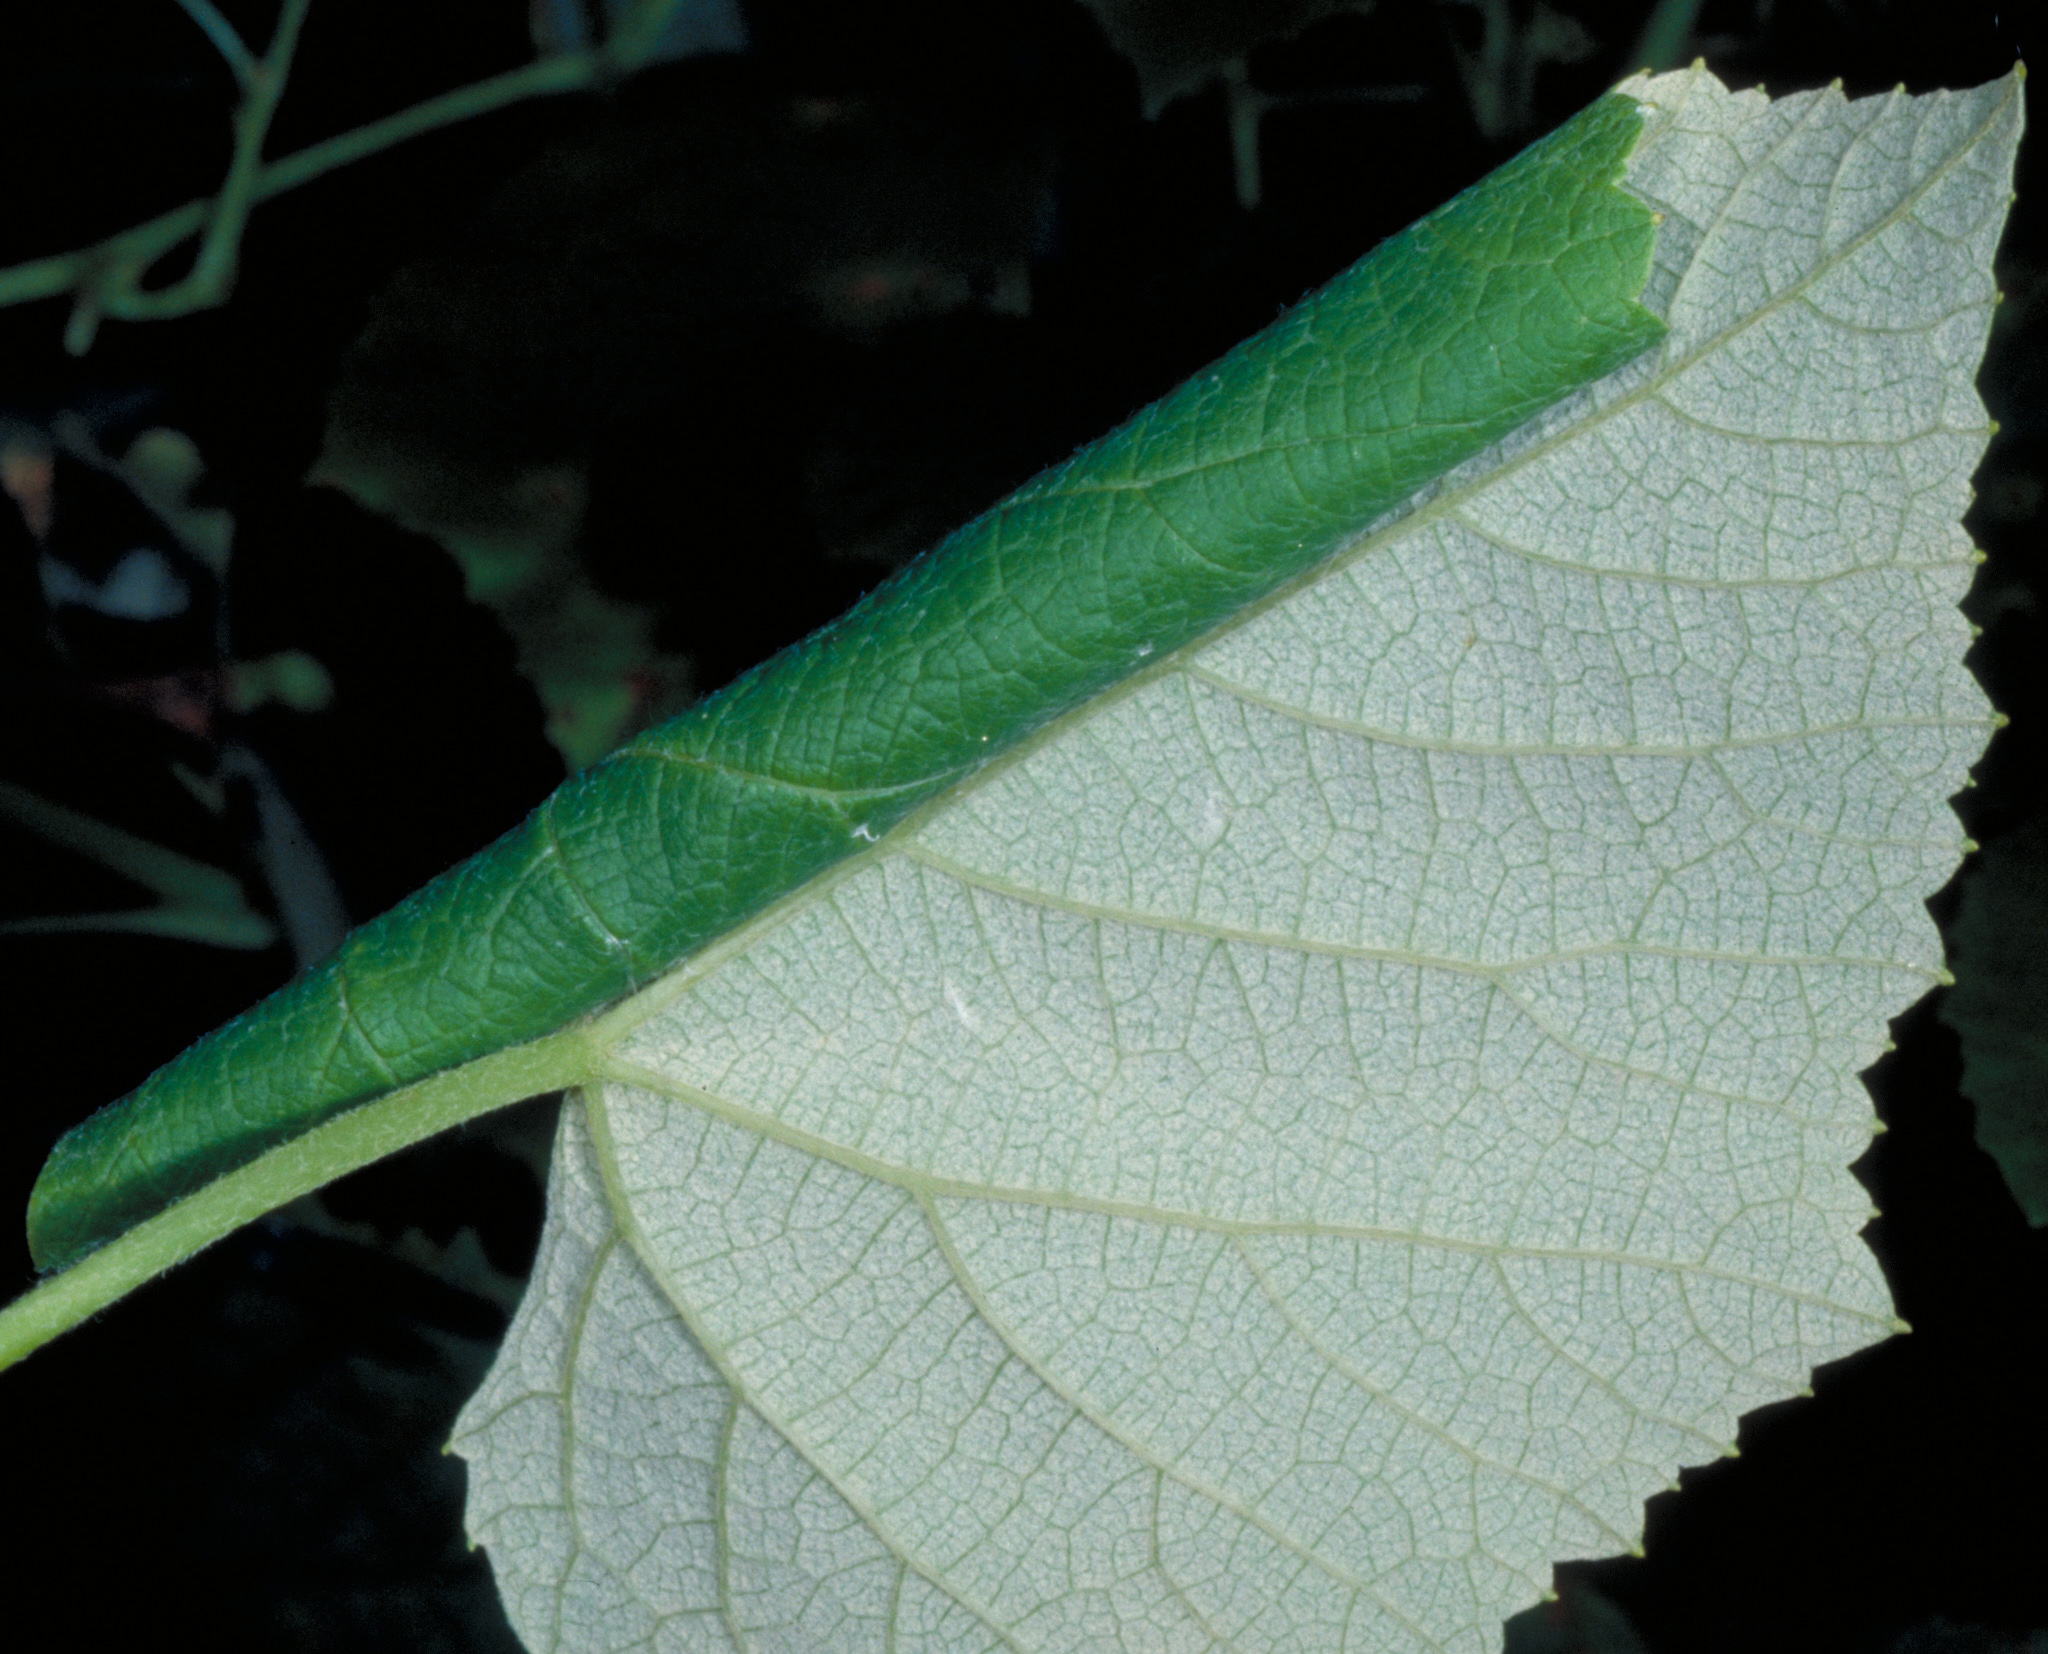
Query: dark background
x,y
247,1454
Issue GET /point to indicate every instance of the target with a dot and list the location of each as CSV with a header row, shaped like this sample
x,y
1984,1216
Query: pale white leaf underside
x,y
1327,1133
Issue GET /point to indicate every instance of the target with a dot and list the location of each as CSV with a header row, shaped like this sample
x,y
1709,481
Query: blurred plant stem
x,y
229,44
107,277
212,276
200,902
1666,34
1499,74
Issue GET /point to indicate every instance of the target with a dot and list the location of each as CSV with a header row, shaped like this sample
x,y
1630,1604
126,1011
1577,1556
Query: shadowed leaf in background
x,y
1999,1009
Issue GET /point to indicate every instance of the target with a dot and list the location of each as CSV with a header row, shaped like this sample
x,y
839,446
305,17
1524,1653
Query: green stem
x,y
59,1302
137,248
570,72
116,289
246,930
212,275
222,33
175,877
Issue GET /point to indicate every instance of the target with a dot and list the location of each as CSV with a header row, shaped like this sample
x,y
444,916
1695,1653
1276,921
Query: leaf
x,y
1267,1042
1447,338
1999,1009
1328,1128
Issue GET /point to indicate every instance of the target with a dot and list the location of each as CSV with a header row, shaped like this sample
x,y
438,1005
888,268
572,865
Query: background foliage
x,y
605,397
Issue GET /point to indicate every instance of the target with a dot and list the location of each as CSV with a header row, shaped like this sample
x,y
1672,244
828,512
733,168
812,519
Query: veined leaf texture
x,y
1446,338
1328,1123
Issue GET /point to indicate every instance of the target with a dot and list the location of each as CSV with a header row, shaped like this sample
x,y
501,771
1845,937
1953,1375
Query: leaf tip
x,y
1901,1325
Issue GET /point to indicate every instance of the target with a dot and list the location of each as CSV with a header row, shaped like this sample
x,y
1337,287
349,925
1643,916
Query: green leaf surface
x,y
1447,337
